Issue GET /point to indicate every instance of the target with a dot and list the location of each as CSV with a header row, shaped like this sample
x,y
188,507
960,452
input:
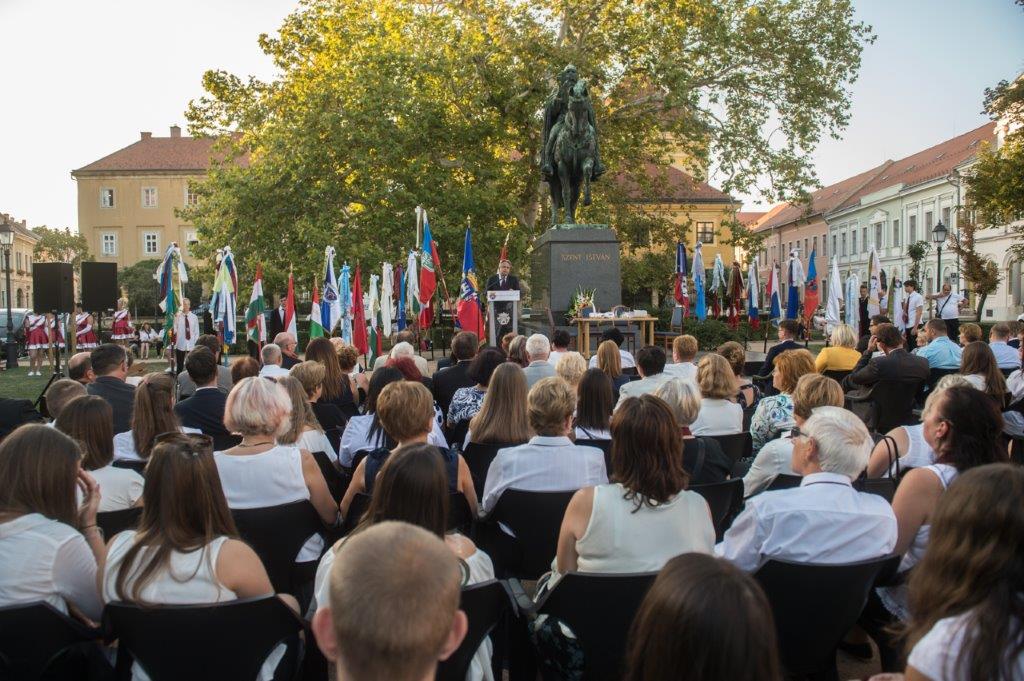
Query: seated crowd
x,y
689,472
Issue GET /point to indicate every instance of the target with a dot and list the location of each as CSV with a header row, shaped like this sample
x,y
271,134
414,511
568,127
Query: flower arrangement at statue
x,y
582,304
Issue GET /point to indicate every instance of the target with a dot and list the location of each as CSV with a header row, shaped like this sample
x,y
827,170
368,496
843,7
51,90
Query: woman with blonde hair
x,y
841,355
570,368
304,431
502,417
152,414
719,415
775,412
609,360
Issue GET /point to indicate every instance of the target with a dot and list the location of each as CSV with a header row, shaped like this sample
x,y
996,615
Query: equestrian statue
x,y
570,156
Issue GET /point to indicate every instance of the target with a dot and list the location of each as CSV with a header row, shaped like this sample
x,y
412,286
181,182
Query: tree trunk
x,y
981,307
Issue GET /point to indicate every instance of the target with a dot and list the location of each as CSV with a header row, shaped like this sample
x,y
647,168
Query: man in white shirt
x,y
1015,381
650,364
825,520
186,333
947,308
271,356
913,312
626,360
998,342
549,462
684,351
560,340
537,349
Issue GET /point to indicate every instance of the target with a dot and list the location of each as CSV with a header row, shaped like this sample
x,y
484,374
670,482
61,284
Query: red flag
x,y
359,339
504,249
289,307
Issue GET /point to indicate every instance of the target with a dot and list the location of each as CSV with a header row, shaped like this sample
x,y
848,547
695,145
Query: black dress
x,y
716,466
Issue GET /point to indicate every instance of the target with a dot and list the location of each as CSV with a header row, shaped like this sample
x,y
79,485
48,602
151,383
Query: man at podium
x,y
504,280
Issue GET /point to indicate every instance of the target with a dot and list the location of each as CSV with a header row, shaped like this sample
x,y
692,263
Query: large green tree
x,y
61,245
382,105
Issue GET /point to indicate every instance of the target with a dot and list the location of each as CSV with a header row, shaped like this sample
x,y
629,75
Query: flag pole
x,y
444,285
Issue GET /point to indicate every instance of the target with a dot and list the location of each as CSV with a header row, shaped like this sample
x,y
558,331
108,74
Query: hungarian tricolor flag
x,y
289,307
428,276
316,324
811,292
255,322
469,317
682,293
359,339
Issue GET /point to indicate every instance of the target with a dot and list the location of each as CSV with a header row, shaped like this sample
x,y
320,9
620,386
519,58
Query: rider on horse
x,y
554,118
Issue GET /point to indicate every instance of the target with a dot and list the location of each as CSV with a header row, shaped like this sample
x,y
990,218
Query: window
x,y
896,232
853,242
946,218
814,244
149,197
106,198
843,243
18,258
864,239
928,224
706,232
108,243
150,243
806,252
191,198
878,235
912,221
834,245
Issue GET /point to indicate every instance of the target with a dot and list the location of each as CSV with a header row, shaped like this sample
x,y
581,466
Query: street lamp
x,y
7,243
939,234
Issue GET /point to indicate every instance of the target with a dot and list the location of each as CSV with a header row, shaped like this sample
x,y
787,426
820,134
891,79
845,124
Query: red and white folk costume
x,y
122,328
36,334
85,337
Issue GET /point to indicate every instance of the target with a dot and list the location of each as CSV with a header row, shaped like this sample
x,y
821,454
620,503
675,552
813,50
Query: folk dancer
x,y
37,341
122,330
85,336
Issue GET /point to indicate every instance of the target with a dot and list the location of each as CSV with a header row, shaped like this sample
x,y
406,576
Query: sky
x,y
80,80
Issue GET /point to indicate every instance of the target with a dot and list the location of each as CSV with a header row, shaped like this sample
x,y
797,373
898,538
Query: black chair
x,y
333,435
276,534
223,640
891,404
485,605
748,416
38,641
814,606
675,327
112,522
751,368
478,458
725,499
736,447
605,446
784,481
356,510
535,518
337,480
936,375
836,375
456,434
137,466
1007,372
599,609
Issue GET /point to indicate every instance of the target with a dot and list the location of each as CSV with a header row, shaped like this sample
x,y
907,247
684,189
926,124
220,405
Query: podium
x,y
501,297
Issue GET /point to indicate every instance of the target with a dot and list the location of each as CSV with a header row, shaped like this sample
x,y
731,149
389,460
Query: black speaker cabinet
x,y
99,286
54,287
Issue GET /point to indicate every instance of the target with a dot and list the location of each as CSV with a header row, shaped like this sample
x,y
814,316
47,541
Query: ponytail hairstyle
x,y
153,413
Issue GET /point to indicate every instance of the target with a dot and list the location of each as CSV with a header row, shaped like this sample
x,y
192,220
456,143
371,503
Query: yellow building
x,y
127,200
21,266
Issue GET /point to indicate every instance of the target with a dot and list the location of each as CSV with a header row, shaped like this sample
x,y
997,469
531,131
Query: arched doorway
x,y
20,296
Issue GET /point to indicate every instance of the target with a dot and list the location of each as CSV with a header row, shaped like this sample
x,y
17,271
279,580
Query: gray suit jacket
x,y
537,371
641,387
186,386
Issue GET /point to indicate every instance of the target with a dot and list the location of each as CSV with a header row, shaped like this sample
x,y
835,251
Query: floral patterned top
x,y
773,415
466,402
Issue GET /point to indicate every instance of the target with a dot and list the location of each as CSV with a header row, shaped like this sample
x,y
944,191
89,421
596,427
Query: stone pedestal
x,y
565,259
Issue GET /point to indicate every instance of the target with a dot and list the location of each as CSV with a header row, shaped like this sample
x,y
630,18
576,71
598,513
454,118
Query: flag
x,y
874,283
469,316
171,274
359,339
774,294
412,288
504,250
835,284
852,304
811,291
896,307
387,299
682,293
255,322
330,313
753,292
316,325
701,310
796,277
289,308
346,303
735,294
428,277
400,318
717,285
224,301
374,343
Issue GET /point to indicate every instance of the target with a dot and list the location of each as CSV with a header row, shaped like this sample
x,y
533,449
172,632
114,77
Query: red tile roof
x,y
747,218
187,154
672,186
19,227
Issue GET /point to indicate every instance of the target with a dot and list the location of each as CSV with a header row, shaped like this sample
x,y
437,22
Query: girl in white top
x,y
170,559
48,545
638,524
305,431
966,598
719,415
413,487
89,421
259,472
152,415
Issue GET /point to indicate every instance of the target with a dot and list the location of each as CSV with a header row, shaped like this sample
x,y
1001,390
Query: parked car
x,y
18,320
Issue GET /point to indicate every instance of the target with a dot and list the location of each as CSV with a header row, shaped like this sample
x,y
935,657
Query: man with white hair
x,y
288,343
538,348
824,520
271,356
403,347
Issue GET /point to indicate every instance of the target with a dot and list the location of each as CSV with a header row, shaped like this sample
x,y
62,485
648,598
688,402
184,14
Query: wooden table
x,y
583,325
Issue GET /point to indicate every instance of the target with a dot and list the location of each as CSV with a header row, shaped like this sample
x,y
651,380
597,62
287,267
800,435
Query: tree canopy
x,y
382,105
61,245
143,290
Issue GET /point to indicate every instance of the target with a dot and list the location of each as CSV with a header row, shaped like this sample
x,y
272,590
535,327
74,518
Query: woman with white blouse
x,y
152,414
719,415
89,421
49,544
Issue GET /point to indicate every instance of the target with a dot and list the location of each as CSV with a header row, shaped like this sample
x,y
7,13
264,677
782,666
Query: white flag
x,y
832,303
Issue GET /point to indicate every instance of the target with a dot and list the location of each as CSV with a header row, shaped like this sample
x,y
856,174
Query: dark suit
x,y
495,284
276,324
14,413
448,381
288,362
769,360
119,395
205,411
898,365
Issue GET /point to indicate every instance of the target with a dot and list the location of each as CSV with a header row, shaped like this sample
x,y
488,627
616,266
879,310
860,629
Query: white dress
x,y
718,417
120,488
189,579
939,651
919,453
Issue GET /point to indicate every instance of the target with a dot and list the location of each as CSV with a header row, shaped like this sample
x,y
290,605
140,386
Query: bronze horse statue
x,y
575,151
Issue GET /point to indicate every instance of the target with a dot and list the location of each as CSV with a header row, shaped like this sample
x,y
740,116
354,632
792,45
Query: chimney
x,y
175,131
147,135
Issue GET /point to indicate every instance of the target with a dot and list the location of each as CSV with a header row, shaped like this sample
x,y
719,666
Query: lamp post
x,y
7,243
939,234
